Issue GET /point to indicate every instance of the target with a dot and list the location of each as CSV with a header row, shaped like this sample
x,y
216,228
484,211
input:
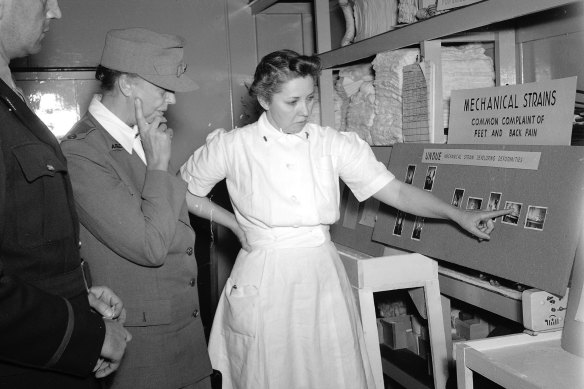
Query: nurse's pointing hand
x,y
480,224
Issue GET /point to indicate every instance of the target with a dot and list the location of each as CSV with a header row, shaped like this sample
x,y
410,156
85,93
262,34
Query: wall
x,y
77,41
283,25
550,45
224,44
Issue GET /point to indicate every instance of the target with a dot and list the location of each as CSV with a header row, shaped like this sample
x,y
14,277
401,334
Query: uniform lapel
x,y
129,167
132,165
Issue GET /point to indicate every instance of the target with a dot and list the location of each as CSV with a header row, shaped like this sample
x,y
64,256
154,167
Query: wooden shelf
x,y
503,301
456,21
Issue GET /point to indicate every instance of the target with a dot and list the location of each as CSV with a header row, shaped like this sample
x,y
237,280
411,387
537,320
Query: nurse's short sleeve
x,y
358,167
207,166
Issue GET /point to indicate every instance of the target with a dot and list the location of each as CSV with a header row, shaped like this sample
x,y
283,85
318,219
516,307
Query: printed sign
x,y
539,113
492,158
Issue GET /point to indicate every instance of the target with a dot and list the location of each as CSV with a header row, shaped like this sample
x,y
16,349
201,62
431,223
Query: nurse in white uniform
x,y
287,317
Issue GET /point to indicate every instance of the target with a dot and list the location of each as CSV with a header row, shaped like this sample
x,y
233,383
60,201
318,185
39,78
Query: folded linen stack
x,y
464,67
356,82
374,17
388,66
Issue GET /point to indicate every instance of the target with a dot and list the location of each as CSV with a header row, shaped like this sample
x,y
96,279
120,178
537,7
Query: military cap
x,y
157,58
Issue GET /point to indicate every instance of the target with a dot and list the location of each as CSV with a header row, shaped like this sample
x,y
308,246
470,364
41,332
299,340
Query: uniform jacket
x,y
136,236
49,337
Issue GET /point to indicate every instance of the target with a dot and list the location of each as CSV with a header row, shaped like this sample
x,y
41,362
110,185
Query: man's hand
x,y
107,303
156,138
114,346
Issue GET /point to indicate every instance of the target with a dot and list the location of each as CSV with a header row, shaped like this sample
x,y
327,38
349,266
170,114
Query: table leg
x,y
369,321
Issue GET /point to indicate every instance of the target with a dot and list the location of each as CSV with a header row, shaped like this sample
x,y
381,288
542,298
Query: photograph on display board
x,y
430,177
474,203
493,203
494,199
457,197
399,223
418,225
513,217
410,174
535,217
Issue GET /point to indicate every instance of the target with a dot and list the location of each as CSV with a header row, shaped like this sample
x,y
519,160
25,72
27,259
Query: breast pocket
x,y
42,201
327,188
325,172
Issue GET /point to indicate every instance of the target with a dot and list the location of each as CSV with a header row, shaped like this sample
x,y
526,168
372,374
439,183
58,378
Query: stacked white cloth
x,y
357,83
388,67
374,17
368,100
464,67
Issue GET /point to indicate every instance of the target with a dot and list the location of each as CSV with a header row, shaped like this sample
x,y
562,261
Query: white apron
x,y
287,317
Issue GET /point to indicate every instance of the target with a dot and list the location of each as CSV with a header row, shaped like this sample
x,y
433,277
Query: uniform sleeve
x,y
208,164
358,167
138,226
48,332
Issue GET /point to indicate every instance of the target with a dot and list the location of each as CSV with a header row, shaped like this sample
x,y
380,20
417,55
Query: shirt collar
x,y
268,131
6,75
119,130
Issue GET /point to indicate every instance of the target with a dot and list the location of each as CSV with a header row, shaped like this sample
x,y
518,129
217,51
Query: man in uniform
x,y
55,332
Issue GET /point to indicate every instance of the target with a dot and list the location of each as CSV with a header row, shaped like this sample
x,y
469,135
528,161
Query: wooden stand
x,y
369,275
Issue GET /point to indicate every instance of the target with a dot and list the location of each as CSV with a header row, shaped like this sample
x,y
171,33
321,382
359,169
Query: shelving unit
x,y
489,20
459,24
443,25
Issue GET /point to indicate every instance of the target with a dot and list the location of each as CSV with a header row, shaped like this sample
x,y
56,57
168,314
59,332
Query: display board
x,y
355,226
535,245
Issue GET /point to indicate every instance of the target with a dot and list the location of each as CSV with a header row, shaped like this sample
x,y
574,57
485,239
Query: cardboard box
x,y
395,331
472,329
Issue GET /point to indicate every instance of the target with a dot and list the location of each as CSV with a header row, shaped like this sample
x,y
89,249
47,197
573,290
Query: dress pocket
x,y
241,308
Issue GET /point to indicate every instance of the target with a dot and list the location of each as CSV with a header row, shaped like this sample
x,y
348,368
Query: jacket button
x,y
192,282
190,251
196,313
